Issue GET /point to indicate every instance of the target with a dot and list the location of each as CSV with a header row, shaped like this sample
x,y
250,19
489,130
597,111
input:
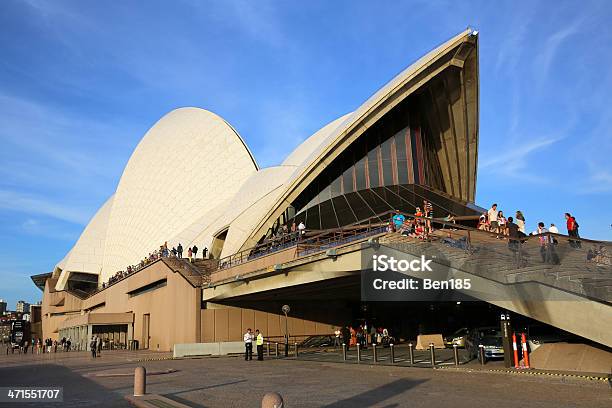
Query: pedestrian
x,y
398,220
520,222
25,347
195,252
204,253
248,345
543,238
99,345
93,346
553,230
346,337
301,229
189,253
428,209
259,341
179,250
337,341
572,230
501,221
493,223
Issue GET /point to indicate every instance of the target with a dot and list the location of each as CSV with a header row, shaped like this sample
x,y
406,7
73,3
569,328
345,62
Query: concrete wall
x,y
227,323
55,308
174,309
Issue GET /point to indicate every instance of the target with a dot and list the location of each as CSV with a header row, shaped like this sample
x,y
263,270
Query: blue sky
x,y
82,81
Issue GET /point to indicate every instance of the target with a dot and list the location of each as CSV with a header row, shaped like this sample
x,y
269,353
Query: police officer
x,y
260,341
248,345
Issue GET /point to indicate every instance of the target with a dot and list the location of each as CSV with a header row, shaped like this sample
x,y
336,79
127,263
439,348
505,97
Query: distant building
x,y
22,307
2,307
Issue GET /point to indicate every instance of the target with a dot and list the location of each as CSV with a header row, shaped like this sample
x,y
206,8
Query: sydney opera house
x,y
192,180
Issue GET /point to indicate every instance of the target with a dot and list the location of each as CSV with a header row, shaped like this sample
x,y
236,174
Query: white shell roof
x,y
188,163
192,176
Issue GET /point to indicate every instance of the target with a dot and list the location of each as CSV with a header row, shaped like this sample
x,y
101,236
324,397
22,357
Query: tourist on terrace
x,y
520,221
572,230
301,228
482,222
501,220
544,239
398,220
195,252
428,210
189,253
493,222
179,250
204,253
174,252
554,230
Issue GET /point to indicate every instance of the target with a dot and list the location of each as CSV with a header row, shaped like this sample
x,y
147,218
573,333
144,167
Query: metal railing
x,y
322,240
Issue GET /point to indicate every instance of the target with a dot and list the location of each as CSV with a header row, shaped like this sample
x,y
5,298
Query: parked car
x,y
458,338
489,337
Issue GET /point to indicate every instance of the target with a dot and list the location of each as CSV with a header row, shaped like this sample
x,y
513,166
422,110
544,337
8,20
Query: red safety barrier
x,y
516,360
525,352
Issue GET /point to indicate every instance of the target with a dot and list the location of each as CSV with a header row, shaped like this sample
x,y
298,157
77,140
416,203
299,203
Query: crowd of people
x,y
42,346
362,335
162,252
418,227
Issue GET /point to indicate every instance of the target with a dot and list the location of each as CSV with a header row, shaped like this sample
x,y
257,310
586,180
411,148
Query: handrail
x,y
293,239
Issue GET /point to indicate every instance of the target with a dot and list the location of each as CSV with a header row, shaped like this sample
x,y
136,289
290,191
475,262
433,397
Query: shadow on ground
x,y
377,395
78,390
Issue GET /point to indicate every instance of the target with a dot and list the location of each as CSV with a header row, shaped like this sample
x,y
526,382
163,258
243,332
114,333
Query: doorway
x,y
146,321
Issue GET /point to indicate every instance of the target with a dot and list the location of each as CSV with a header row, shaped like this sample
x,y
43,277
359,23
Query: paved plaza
x,y
232,382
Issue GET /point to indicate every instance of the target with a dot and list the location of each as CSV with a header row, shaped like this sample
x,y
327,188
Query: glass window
x,y
343,211
347,180
373,167
328,217
402,162
359,207
387,163
360,176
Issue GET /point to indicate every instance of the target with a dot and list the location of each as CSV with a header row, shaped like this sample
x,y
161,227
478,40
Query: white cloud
x,y
515,161
30,204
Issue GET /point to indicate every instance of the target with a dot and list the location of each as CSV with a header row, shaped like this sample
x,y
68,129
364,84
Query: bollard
x,y
375,353
392,348
481,354
525,352
410,353
140,381
268,348
432,354
456,354
515,349
272,400
343,351
296,350
358,353
276,349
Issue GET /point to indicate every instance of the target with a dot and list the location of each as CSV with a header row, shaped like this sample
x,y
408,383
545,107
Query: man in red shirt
x,y
572,230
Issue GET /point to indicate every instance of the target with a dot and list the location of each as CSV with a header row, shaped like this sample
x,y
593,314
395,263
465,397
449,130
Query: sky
x,y
82,81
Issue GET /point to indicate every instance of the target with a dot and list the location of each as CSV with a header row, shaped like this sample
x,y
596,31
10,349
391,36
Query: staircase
x,y
481,253
197,272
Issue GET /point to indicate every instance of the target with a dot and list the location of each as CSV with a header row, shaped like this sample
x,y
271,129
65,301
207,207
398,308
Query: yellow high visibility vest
x,y
260,339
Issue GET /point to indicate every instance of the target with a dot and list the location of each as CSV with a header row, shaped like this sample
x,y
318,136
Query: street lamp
x,y
286,309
